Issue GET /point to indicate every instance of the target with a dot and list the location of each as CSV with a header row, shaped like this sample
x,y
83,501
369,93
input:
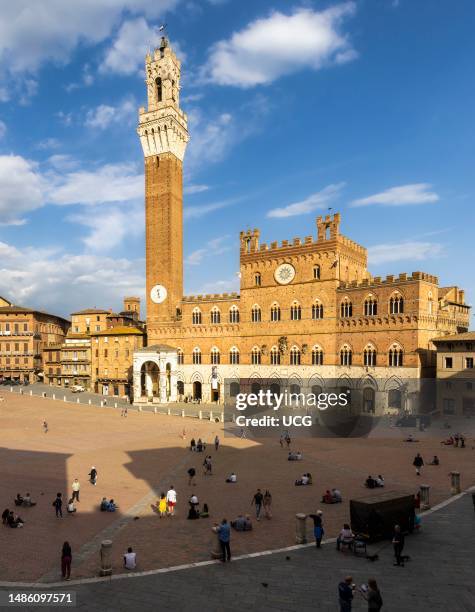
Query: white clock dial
x,y
284,274
158,294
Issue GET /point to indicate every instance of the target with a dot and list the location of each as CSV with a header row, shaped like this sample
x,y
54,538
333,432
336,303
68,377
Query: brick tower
x,y
163,134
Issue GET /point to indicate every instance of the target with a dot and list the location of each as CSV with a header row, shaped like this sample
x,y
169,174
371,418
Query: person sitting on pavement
x,y
379,481
200,446
112,506
306,479
205,512
336,496
232,478
5,514
242,523
435,461
346,536
192,444
294,456
130,559
18,500
14,521
104,504
370,482
327,497
448,442
27,501
71,508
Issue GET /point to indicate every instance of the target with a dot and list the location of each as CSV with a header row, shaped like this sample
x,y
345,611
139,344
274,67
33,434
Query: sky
x,y
365,106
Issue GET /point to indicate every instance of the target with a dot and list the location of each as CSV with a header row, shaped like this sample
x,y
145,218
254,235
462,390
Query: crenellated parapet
x,y
211,297
390,279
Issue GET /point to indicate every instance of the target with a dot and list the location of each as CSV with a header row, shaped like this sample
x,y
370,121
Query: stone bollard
x,y
155,409
169,411
183,414
425,502
222,417
200,414
140,409
89,402
77,400
31,392
216,553
300,528
115,404
43,394
106,558
64,398
455,483
102,404
21,391
210,415
54,395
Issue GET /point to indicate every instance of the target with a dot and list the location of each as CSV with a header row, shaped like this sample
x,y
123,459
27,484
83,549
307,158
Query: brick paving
x,y
139,456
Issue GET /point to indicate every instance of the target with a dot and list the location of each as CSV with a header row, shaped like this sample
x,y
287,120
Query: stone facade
x,y
456,374
23,334
308,309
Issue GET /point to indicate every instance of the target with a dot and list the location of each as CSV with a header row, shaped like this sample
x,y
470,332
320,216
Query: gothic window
x,y
346,355
234,314
196,356
275,312
234,356
256,356
274,356
257,279
346,308
180,356
369,356
370,306
215,315
395,356
295,312
316,272
196,316
294,356
256,314
317,310
396,304
215,356
158,83
317,356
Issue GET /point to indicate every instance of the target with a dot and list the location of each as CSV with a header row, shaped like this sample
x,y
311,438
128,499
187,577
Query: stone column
x,y
455,483
106,558
300,528
216,552
173,385
425,503
137,382
163,387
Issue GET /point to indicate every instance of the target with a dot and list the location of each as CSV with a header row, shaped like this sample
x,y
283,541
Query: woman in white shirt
x,y
346,536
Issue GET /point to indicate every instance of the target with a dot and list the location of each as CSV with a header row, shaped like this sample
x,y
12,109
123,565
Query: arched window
x,y
396,304
395,356
369,356
294,356
346,308
274,356
317,310
256,356
317,356
370,306
295,312
158,85
316,272
346,355
275,312
256,314
234,314
179,352
196,316
196,356
430,303
257,279
215,356
215,315
234,356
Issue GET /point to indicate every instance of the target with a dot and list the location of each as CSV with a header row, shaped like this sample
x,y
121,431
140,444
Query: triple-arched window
x,y
317,310
196,356
346,355
256,356
369,356
215,356
395,356
370,306
274,356
346,308
196,316
396,304
317,355
234,314
275,312
215,315
295,356
234,356
295,312
256,314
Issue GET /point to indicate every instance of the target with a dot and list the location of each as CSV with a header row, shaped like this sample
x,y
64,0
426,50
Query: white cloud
x,y
104,115
87,79
196,212
214,247
280,44
315,201
194,188
62,162
62,282
415,193
3,129
48,143
401,251
220,286
22,188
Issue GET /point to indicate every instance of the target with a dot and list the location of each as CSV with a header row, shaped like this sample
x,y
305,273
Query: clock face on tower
x,y
158,294
284,274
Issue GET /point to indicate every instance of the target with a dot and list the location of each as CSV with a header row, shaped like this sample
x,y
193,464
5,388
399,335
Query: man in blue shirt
x,y
224,535
345,594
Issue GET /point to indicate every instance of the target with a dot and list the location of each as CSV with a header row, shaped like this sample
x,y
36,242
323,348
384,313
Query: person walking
x,y
216,443
191,477
224,536
318,531
45,427
398,545
373,596
76,486
171,501
207,466
345,594
418,463
58,505
66,558
267,503
257,501
93,476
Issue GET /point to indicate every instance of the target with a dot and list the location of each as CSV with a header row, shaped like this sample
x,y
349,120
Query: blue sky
x,y
366,107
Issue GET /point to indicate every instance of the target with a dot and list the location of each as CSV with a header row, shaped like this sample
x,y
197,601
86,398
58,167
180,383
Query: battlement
x,y
390,279
211,297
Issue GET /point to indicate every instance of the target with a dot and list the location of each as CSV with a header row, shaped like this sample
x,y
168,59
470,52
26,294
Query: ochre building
x,y
308,309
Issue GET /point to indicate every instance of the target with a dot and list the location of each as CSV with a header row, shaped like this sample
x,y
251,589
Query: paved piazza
x,y
141,455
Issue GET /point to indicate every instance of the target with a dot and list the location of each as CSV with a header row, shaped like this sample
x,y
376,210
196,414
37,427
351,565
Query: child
x,y
162,505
